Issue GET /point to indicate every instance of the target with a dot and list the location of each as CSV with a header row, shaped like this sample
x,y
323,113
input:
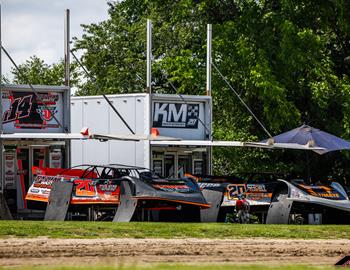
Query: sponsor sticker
x,y
175,115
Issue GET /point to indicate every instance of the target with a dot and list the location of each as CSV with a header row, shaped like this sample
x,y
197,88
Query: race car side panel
x,y
85,191
127,205
214,198
59,199
175,193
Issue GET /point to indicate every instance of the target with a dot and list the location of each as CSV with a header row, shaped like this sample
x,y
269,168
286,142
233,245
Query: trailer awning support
x,y
267,145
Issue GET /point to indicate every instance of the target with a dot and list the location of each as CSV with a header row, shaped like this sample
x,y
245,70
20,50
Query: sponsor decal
x,y
258,196
326,192
107,187
175,115
172,188
48,178
9,164
256,192
10,170
256,188
9,173
208,185
24,110
46,113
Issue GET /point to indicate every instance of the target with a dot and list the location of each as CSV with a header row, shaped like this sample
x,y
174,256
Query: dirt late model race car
x,y
297,202
224,191
114,192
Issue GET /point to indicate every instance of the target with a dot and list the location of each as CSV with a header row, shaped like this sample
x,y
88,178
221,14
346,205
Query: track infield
x,y
82,245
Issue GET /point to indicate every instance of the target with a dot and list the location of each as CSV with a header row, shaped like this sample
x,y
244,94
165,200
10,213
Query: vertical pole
x,y
209,63
149,88
67,49
149,56
209,38
67,122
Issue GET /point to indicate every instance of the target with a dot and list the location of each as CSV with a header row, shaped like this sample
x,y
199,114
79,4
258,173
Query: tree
x,y
36,71
288,60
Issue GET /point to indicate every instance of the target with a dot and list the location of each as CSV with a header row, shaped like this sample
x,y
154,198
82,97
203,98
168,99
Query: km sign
x,y
175,115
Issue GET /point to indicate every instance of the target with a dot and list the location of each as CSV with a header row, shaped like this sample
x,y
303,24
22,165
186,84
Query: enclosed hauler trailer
x,y
184,117
34,132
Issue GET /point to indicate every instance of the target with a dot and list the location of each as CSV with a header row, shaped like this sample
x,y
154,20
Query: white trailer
x,y
184,117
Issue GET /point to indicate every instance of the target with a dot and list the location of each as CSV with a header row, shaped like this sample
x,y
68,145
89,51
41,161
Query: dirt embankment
x,y
43,251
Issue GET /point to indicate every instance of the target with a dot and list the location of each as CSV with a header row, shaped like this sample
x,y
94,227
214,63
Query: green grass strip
x,y
78,229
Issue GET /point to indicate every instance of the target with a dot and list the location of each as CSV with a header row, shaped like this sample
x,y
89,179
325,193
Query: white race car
x,y
294,202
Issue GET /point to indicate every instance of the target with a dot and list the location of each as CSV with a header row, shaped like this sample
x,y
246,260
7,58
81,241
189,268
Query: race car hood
x,y
182,191
318,194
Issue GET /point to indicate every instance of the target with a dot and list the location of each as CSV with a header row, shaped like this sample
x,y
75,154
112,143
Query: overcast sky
x,y
36,27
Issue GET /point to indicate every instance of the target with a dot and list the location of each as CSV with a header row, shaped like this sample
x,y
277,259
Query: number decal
x,y
20,108
84,188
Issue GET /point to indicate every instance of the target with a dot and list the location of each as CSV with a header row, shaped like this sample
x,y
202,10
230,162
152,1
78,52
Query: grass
x,y
78,229
169,266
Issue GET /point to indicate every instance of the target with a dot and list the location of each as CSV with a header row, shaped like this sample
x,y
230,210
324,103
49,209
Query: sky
x,y
36,27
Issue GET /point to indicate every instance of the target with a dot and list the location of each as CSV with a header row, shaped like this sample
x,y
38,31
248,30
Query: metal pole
x,y
209,38
149,90
149,56
68,143
209,63
67,48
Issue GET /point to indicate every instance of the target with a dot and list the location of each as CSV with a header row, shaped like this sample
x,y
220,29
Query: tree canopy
x,y
288,60
36,71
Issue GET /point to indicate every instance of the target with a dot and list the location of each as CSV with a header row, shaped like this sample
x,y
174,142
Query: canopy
x,y
306,135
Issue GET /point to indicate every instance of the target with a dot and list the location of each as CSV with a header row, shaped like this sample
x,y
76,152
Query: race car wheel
x,y
296,219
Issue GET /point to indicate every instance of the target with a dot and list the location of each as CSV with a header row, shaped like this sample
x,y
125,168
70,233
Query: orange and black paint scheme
x,y
100,187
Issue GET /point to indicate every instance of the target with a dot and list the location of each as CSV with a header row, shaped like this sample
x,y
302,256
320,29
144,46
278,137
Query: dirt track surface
x,y
43,251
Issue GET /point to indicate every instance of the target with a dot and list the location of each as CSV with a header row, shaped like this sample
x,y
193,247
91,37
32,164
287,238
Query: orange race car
x,y
119,193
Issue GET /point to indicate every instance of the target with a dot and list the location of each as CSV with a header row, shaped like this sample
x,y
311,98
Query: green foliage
x,y
288,60
36,71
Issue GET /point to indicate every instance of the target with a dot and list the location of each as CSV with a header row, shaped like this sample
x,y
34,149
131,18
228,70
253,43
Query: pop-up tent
x,y
306,135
